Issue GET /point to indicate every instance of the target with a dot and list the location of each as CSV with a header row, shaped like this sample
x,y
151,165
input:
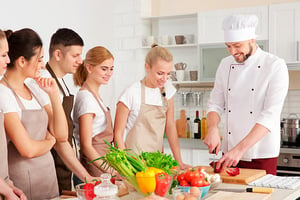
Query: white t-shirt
x,y
131,97
86,103
8,102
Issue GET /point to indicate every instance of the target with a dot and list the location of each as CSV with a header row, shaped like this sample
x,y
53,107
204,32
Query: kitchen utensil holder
x,y
197,98
184,97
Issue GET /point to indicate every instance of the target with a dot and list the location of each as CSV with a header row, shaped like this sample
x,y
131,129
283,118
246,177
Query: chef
x,y
250,88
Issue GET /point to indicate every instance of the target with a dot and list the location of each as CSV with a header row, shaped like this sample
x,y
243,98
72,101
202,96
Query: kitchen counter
x,y
186,143
278,194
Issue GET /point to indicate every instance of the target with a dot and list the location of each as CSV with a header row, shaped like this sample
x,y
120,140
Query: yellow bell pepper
x,y
146,180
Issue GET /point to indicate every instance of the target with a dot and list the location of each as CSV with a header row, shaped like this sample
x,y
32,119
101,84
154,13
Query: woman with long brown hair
x,y
33,117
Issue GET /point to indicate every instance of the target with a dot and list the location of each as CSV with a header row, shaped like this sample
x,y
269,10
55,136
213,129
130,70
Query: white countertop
x,y
278,194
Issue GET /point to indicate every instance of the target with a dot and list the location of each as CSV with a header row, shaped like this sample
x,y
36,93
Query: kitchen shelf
x,y
198,84
173,46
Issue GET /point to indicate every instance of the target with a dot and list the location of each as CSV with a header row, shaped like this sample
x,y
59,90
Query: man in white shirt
x,y
250,89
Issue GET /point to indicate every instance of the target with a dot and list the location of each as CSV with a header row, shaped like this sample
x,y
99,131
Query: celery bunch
x,y
125,163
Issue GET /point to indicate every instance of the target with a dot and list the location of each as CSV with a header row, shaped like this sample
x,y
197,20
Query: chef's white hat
x,y
239,27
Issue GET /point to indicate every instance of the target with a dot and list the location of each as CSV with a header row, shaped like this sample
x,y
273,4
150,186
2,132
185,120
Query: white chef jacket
x,y
249,93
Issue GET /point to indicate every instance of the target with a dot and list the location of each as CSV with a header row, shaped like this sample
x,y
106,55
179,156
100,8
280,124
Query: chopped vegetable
x,y
233,171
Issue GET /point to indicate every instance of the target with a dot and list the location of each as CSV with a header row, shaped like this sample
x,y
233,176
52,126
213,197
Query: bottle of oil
x,y
203,125
189,129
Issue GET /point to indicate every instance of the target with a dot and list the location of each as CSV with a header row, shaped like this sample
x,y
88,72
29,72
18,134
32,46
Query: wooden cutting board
x,y
246,175
238,196
181,125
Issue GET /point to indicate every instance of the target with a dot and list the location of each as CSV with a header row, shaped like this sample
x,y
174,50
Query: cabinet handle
x,y
298,50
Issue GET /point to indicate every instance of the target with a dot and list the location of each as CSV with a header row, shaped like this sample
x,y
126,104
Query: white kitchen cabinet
x,y
194,157
210,23
157,29
284,28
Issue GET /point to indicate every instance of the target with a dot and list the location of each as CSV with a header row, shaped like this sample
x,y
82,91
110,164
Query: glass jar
x,y
106,190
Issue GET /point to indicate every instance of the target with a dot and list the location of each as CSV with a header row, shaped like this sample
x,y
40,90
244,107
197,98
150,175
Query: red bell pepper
x,y
163,181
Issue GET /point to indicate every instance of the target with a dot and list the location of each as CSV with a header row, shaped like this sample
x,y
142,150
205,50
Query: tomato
x,y
89,191
198,182
184,183
233,171
180,177
213,164
201,175
112,180
191,174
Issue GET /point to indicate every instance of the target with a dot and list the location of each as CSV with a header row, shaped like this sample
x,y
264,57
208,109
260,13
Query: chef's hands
x,y
229,159
48,85
212,140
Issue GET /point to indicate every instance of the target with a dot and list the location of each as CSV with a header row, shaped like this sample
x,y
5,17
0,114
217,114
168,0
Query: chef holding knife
x,y
250,89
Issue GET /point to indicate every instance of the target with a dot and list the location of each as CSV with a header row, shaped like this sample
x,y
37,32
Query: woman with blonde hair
x,y
92,120
7,189
145,110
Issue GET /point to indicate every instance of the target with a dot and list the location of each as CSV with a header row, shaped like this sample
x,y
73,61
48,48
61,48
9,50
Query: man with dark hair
x,y
64,58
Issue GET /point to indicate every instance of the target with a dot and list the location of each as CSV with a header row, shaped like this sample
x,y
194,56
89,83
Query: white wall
x,y
114,24
175,7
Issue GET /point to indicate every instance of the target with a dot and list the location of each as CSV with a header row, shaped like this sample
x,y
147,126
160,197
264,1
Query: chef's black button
x,y
250,112
229,110
252,89
229,133
228,89
224,108
258,66
232,67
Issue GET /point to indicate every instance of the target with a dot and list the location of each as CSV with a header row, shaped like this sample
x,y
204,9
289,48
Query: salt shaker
x,y
106,190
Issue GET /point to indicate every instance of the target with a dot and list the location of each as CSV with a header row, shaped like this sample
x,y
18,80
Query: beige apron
x,y
148,131
3,153
98,141
35,176
64,175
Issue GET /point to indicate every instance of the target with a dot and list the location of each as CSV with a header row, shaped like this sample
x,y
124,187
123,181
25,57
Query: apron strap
x,y
18,98
89,89
56,79
162,91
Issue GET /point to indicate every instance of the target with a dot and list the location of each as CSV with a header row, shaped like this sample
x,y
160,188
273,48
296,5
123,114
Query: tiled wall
x,y
291,104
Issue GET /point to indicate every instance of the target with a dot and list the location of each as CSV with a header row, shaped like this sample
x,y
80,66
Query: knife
x,y
213,158
254,190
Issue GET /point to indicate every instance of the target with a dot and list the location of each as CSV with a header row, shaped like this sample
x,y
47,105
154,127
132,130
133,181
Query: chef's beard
x,y
248,54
